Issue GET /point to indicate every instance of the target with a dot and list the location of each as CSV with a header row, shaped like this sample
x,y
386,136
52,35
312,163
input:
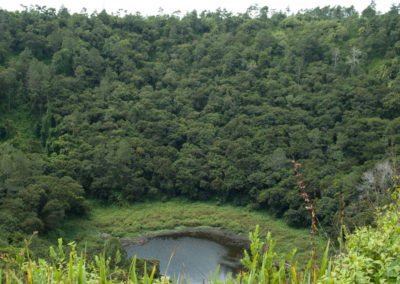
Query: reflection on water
x,y
194,257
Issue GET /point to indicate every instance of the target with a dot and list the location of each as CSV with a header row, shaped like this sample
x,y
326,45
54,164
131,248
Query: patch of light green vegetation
x,y
149,217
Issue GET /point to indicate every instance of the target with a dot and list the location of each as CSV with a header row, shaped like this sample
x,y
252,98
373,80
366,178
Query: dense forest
x,y
205,106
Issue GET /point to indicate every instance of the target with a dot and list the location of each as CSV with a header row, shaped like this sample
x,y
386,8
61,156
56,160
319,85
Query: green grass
x,y
140,218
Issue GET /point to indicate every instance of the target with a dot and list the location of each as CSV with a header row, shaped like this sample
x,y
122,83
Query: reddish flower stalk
x,y
307,201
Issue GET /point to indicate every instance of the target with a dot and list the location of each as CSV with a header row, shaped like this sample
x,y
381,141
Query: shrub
x,y
373,253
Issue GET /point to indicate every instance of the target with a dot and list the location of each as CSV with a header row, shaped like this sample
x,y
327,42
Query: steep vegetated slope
x,y
207,106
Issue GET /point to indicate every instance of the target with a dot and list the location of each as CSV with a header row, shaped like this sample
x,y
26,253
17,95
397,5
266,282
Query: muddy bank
x,y
219,236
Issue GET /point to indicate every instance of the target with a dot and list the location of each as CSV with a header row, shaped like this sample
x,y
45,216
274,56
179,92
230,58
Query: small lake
x,y
194,257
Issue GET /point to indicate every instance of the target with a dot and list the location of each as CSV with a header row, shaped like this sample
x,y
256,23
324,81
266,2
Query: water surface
x,y
193,256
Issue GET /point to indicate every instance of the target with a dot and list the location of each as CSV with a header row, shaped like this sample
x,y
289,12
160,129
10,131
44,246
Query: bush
x,y
373,253
295,218
8,222
31,224
114,250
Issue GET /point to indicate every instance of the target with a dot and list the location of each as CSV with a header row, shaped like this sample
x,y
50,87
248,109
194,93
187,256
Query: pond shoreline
x,y
220,236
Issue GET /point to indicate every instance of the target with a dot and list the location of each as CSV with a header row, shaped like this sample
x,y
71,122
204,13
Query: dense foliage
x,y
31,201
206,106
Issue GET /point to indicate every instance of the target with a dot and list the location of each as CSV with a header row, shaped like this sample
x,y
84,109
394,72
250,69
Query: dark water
x,y
194,257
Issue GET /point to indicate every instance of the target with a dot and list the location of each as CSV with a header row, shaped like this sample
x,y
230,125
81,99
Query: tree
x,y
8,83
335,57
353,58
52,214
370,11
62,62
38,85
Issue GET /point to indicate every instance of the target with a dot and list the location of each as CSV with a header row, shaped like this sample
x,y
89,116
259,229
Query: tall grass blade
x,y
324,262
145,273
263,272
315,275
216,274
308,266
133,276
81,277
152,273
29,272
103,276
170,259
294,275
56,273
70,270
7,274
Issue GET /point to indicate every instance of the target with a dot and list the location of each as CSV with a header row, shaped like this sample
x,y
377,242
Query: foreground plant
x,y
264,265
309,206
372,253
70,268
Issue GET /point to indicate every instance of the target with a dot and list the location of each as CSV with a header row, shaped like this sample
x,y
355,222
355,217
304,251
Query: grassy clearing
x,y
139,218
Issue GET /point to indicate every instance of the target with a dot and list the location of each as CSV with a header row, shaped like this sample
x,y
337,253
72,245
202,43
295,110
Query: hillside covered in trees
x,y
206,106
